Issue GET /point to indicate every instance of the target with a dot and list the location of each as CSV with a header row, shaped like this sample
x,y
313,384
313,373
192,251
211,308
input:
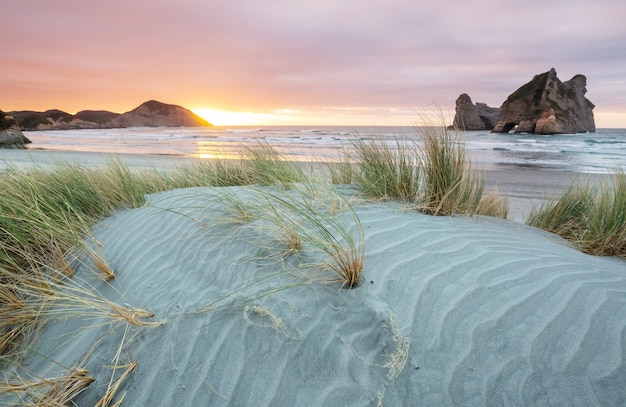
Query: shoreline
x,y
526,187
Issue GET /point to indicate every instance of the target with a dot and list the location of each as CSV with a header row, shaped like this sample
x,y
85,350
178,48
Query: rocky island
x,y
470,116
148,114
545,105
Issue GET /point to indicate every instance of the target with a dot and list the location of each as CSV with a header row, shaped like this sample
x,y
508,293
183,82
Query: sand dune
x,y
451,311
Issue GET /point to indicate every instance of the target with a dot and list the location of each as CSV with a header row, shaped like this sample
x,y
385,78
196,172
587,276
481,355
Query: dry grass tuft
x,y
320,229
58,391
493,204
113,388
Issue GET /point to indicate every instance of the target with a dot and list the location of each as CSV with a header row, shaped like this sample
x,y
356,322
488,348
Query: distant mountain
x,y
148,114
96,116
154,114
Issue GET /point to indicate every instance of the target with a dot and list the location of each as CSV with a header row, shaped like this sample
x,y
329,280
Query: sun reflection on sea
x,y
209,151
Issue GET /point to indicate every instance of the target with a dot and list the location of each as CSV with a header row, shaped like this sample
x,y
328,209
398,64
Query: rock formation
x,y
545,105
470,116
149,114
10,134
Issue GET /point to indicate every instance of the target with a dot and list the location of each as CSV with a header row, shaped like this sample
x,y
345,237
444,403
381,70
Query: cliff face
x,y
545,105
149,114
470,116
10,134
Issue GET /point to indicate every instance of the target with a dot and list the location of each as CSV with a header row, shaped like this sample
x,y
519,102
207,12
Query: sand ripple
x,y
452,311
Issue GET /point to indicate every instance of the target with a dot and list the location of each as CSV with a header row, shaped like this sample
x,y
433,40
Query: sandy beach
x,y
463,311
451,311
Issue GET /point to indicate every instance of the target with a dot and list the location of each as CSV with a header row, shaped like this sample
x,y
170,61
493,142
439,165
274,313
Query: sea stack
x,y
10,134
545,105
470,116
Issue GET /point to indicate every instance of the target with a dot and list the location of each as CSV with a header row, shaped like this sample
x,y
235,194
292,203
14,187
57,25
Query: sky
x,y
306,62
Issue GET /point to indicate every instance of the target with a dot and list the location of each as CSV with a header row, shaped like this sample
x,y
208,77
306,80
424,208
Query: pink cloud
x,y
74,54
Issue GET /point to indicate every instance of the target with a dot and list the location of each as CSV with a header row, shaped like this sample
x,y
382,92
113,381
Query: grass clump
x,y
607,222
386,172
591,216
431,172
567,215
493,204
341,171
259,164
215,173
450,186
265,166
301,224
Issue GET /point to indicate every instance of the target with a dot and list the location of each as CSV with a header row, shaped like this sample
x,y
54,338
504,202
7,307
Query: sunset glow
x,y
321,116
225,118
304,63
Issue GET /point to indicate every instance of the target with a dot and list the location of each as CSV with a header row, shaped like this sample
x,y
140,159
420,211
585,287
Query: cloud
x,y
278,54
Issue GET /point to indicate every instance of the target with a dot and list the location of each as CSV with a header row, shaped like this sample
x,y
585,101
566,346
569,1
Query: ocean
x,y
594,153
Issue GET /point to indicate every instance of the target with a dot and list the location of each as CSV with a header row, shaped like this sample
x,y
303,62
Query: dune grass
x,y
450,185
430,171
607,223
591,216
311,217
493,204
214,173
266,166
259,164
341,240
45,220
341,171
566,216
388,172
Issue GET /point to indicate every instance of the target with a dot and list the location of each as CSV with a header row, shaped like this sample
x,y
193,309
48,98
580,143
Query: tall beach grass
x,y
431,171
593,216
450,185
388,171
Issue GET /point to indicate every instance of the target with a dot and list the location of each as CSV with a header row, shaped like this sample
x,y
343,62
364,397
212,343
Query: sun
x,y
225,118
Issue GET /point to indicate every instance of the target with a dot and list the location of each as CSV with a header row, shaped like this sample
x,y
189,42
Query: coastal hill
x,y
149,114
